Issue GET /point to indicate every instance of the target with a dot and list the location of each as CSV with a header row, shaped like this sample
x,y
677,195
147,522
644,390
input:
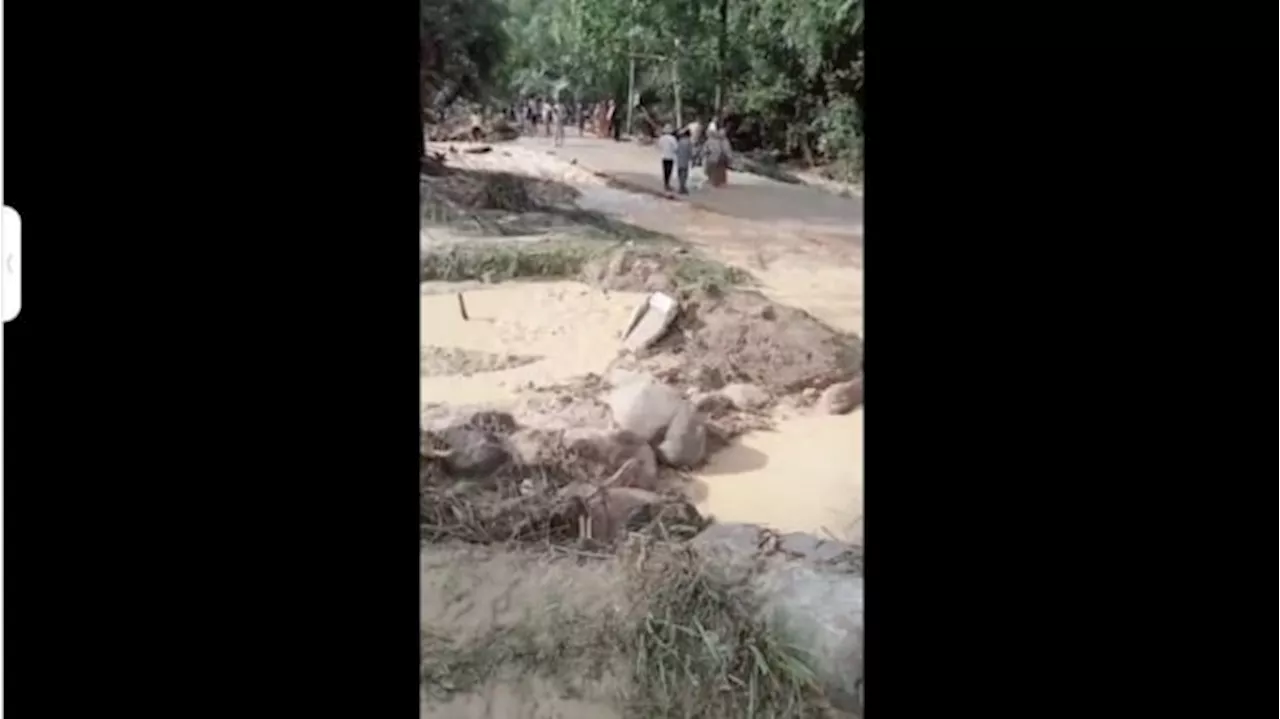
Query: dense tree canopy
x,y
785,74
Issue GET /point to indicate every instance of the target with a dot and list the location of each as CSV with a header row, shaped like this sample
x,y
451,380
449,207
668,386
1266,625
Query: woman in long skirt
x,y
717,158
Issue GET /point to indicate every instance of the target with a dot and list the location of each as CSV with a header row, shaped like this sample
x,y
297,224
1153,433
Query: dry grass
x,y
691,645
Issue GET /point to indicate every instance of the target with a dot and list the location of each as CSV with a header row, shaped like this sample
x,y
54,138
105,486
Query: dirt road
x,y
747,197
802,245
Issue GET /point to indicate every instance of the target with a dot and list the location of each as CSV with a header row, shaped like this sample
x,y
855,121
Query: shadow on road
x,y
750,197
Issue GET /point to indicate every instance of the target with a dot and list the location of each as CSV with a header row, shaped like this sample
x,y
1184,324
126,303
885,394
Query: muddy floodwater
x,y
804,475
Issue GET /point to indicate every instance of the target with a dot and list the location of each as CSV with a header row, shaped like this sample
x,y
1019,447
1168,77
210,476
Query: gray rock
x,y
473,452
818,603
822,612
644,407
610,508
533,446
746,396
685,443
650,321
842,397
605,452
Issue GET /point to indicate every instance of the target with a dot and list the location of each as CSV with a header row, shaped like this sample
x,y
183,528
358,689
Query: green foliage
x,y
461,44
789,72
791,76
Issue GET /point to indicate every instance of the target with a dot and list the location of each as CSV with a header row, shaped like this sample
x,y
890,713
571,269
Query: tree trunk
x,y
720,54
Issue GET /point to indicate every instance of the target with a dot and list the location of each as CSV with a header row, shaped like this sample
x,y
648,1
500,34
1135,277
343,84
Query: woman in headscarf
x,y
717,153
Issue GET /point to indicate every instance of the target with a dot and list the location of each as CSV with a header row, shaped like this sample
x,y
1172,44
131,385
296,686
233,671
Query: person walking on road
x,y
695,139
718,153
667,145
558,118
684,156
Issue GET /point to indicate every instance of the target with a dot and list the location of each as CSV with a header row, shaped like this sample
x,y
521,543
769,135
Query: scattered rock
x,y
611,508
605,453
473,452
685,443
650,321
644,407
746,397
478,150
723,332
440,418
534,446
842,397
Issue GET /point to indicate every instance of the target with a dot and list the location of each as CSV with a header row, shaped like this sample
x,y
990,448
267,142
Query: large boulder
x,y
644,407
473,452
841,397
810,589
685,441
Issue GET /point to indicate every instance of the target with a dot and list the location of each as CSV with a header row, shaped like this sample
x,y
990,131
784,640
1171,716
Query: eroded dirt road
x,y
803,246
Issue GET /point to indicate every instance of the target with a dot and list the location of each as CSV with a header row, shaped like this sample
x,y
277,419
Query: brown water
x,y
573,329
806,475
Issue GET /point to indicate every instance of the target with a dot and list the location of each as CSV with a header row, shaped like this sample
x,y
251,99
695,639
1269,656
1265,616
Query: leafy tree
x,y
787,72
461,44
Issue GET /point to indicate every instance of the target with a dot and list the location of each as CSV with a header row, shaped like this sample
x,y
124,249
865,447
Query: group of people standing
x,y
691,146
552,116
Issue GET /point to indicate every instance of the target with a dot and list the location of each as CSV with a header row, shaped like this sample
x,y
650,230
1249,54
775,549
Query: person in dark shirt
x,y
684,157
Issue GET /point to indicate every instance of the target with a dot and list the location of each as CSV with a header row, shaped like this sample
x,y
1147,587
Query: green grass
x,y
498,262
692,647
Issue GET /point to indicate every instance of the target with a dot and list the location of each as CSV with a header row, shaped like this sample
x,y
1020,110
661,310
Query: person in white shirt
x,y
558,118
667,145
695,139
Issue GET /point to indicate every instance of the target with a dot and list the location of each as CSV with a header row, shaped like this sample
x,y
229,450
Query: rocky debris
x,y
470,441
473,452
611,510
809,587
745,396
534,446
685,442
719,339
842,397
644,407
650,321
606,453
